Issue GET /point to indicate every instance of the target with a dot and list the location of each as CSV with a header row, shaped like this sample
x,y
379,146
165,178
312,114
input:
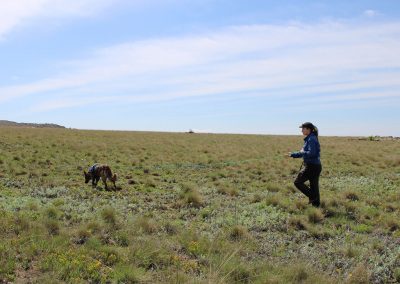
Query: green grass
x,y
195,208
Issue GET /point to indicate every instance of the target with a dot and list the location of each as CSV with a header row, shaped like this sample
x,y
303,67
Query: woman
x,y
312,164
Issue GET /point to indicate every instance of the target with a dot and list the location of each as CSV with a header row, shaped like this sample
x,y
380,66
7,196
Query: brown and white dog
x,y
98,171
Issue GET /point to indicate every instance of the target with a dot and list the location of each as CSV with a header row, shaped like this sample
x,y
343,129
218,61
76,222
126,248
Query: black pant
x,y
310,172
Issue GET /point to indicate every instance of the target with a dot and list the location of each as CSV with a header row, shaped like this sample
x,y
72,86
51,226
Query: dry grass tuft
x,y
191,196
52,226
148,225
225,189
109,215
297,223
360,275
315,215
256,198
238,232
351,195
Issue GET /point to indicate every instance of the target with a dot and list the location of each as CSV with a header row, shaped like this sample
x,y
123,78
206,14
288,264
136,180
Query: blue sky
x,y
211,66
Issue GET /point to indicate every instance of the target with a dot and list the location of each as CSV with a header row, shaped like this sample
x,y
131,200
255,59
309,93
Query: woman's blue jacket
x,y
311,150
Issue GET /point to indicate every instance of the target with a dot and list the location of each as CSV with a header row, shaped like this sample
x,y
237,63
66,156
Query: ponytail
x,y
315,131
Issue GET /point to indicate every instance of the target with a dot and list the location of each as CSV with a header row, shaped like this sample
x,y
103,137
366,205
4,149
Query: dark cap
x,y
308,125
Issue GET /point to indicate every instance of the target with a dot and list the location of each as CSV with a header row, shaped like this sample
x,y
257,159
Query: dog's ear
x,y
84,173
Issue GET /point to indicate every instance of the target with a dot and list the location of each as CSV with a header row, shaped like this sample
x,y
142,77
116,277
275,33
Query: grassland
x,y
195,208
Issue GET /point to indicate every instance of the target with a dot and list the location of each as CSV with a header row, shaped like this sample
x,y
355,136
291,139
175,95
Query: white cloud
x,y
263,60
14,14
370,13
70,102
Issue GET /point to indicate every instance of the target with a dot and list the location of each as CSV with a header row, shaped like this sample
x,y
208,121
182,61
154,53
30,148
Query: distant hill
x,y
34,125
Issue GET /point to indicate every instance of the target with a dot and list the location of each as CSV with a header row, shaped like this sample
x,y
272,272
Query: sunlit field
x,y
195,208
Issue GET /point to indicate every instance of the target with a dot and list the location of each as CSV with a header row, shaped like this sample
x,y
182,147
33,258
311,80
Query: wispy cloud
x,y
342,58
14,14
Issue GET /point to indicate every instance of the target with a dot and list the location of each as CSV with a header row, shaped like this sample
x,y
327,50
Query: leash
x,y
302,164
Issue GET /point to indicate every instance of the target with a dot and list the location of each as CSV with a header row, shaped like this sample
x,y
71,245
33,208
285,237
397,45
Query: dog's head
x,y
88,176
114,177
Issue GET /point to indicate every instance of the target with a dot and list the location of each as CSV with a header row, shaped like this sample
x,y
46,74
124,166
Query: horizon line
x,y
183,132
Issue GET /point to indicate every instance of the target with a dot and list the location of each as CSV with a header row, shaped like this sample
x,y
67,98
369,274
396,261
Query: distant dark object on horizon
x,y
31,125
190,131
379,138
